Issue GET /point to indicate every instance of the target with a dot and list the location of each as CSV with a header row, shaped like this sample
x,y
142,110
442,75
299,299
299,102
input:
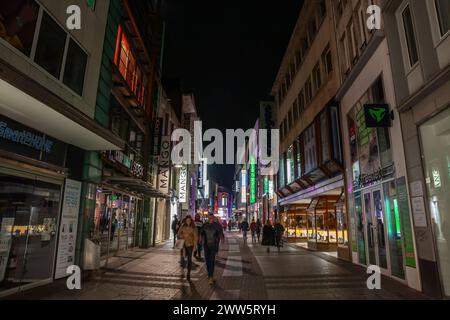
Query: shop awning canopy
x,y
137,186
33,105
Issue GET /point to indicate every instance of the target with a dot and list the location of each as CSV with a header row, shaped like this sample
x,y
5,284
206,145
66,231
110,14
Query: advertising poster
x,y
5,244
68,227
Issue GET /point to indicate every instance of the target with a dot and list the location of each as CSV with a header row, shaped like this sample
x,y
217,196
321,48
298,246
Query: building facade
x,y
376,180
48,82
310,184
419,41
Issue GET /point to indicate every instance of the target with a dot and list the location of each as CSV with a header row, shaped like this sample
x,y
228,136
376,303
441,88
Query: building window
x,y
308,90
443,12
290,165
312,30
126,61
20,37
317,77
327,60
50,47
345,54
301,103
286,126
291,118
410,36
322,10
75,68
296,110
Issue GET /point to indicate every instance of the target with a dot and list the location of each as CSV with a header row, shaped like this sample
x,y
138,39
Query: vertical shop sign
x,y
182,185
406,222
252,179
68,227
157,134
164,165
244,186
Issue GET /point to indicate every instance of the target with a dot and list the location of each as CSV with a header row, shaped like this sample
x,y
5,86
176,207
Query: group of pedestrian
x,y
271,235
193,236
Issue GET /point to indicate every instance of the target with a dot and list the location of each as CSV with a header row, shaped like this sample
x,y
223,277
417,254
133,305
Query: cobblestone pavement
x,y
243,271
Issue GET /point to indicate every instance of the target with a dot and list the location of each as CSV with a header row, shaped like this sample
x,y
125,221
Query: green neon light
x,y
397,219
387,204
377,114
252,179
266,185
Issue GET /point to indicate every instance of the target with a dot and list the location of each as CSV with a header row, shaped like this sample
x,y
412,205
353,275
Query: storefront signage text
x,y
38,142
182,185
164,165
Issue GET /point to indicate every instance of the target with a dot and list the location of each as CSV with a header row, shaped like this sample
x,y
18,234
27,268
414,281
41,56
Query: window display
x,y
435,137
29,213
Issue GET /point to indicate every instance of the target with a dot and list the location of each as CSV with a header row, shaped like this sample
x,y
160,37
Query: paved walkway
x,y
244,272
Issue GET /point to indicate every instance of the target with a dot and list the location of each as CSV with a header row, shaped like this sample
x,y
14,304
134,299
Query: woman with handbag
x,y
189,235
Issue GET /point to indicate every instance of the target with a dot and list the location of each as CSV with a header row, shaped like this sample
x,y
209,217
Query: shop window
x,y
435,137
394,229
29,212
75,68
361,242
18,23
408,26
50,47
342,228
443,13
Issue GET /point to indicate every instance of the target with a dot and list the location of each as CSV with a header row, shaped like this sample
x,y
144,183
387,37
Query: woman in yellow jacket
x,y
188,232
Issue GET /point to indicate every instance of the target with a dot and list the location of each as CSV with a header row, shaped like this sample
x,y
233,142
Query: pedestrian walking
x,y
199,224
174,228
258,229
279,231
182,252
268,236
245,227
253,227
211,235
188,232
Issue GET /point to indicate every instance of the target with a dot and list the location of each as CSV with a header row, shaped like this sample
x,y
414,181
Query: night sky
x,y
227,53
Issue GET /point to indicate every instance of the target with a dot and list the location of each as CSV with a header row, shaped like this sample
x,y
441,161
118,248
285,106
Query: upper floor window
x,y
327,60
410,36
443,12
126,61
317,77
54,50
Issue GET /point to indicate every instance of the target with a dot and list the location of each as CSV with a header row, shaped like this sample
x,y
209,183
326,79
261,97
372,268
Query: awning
x,y
33,105
136,185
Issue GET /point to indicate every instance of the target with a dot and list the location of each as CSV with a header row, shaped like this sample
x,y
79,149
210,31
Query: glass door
x,y
29,212
375,228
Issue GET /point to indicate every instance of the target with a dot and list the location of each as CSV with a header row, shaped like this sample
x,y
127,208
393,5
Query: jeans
x,y
210,259
189,251
253,236
174,238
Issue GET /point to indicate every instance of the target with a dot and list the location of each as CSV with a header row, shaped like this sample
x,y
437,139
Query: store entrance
x,y
375,228
115,221
29,212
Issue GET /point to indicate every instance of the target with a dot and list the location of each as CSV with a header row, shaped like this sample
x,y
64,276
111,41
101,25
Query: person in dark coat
x,y
279,231
268,236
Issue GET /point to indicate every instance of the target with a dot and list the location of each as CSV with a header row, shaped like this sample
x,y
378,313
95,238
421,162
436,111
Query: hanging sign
x,y
182,185
377,116
164,165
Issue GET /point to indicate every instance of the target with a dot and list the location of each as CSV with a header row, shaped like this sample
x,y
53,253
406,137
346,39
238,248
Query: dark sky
x,y
227,53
